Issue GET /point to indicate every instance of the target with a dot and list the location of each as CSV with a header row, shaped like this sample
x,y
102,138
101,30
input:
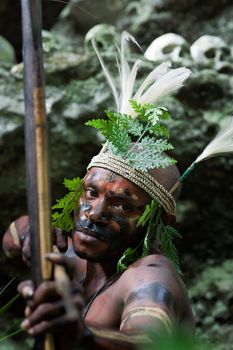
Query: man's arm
x,y
16,239
150,304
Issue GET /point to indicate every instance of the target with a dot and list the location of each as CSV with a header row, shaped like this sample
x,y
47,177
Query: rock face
x,y
76,91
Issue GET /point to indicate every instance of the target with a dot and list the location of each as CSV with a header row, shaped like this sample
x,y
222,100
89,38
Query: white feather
x,y
107,75
126,94
159,82
127,75
152,77
167,83
221,144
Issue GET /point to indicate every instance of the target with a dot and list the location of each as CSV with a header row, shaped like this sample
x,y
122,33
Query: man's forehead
x,y
100,177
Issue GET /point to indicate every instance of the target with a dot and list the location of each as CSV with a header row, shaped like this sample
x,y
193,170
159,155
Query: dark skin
x,y
105,226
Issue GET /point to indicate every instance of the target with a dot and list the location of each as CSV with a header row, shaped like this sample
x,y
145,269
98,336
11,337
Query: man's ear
x,y
169,219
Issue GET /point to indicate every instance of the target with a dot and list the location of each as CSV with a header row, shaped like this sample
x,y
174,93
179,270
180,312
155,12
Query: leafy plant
x,y
63,218
146,215
129,256
14,329
165,235
142,141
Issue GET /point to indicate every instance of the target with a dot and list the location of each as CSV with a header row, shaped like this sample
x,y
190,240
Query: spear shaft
x,y
36,148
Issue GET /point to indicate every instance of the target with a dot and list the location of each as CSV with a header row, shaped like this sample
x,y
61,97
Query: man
x,y
122,284
117,308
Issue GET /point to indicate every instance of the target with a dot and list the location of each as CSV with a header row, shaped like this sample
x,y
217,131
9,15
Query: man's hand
x,y
49,311
16,239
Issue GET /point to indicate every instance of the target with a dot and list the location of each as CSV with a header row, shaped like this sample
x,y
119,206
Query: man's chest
x,y
104,309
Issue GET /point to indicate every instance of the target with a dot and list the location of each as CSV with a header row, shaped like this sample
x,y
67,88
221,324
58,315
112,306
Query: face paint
x,y
84,207
98,230
108,213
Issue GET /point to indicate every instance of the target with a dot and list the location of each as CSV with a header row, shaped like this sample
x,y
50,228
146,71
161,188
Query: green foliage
x,y
142,140
146,215
165,235
179,340
66,205
129,256
14,327
6,286
132,254
152,219
5,307
150,154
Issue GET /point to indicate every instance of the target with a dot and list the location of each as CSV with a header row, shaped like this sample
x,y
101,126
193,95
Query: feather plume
x,y
221,144
152,76
159,82
107,74
167,83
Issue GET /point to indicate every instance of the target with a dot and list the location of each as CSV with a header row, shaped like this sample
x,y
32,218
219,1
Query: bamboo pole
x,y
36,148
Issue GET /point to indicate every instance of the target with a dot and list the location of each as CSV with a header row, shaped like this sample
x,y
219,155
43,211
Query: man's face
x,y
109,209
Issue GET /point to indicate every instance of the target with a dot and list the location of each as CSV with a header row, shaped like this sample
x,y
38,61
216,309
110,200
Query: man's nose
x,y
98,212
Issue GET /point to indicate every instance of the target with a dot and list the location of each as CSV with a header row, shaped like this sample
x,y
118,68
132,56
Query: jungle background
x,y
76,91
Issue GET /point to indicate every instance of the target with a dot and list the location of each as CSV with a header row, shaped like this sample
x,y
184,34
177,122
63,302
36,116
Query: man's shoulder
x,y
154,280
154,267
156,261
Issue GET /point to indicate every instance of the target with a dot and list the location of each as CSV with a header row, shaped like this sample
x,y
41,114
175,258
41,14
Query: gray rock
x,y
7,52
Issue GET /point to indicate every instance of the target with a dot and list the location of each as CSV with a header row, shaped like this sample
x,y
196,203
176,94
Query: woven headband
x,y
142,179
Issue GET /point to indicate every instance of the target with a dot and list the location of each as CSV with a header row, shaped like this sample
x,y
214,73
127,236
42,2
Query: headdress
x,y
136,139
138,124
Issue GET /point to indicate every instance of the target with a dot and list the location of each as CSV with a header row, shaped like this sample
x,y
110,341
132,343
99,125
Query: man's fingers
x,y
45,291
44,311
26,289
65,261
54,325
60,239
50,317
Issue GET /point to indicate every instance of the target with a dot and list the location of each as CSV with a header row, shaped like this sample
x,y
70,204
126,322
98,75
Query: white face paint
x,y
168,47
210,51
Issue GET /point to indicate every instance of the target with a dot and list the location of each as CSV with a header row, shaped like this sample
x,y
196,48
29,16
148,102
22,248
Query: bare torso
x,y
150,282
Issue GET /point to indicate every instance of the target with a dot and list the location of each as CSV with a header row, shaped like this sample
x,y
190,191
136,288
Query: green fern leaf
x,y
119,140
165,236
120,131
63,218
151,154
146,215
129,256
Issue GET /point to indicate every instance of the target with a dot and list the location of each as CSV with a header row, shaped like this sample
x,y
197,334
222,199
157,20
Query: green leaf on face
x,y
63,218
146,215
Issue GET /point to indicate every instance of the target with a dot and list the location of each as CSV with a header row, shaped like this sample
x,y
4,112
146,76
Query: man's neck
x,y
97,274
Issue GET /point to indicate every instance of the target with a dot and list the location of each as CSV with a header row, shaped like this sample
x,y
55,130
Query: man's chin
x,y
95,258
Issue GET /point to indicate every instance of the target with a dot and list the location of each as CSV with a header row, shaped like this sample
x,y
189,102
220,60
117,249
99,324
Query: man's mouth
x,y
88,235
101,233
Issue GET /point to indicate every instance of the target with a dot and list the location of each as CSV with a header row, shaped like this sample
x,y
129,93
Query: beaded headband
x,y
142,179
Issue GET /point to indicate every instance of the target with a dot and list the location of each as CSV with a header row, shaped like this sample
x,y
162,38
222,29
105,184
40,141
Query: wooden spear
x,y
36,146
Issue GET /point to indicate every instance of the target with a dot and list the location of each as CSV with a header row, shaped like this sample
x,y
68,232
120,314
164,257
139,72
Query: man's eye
x,y
91,193
124,207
